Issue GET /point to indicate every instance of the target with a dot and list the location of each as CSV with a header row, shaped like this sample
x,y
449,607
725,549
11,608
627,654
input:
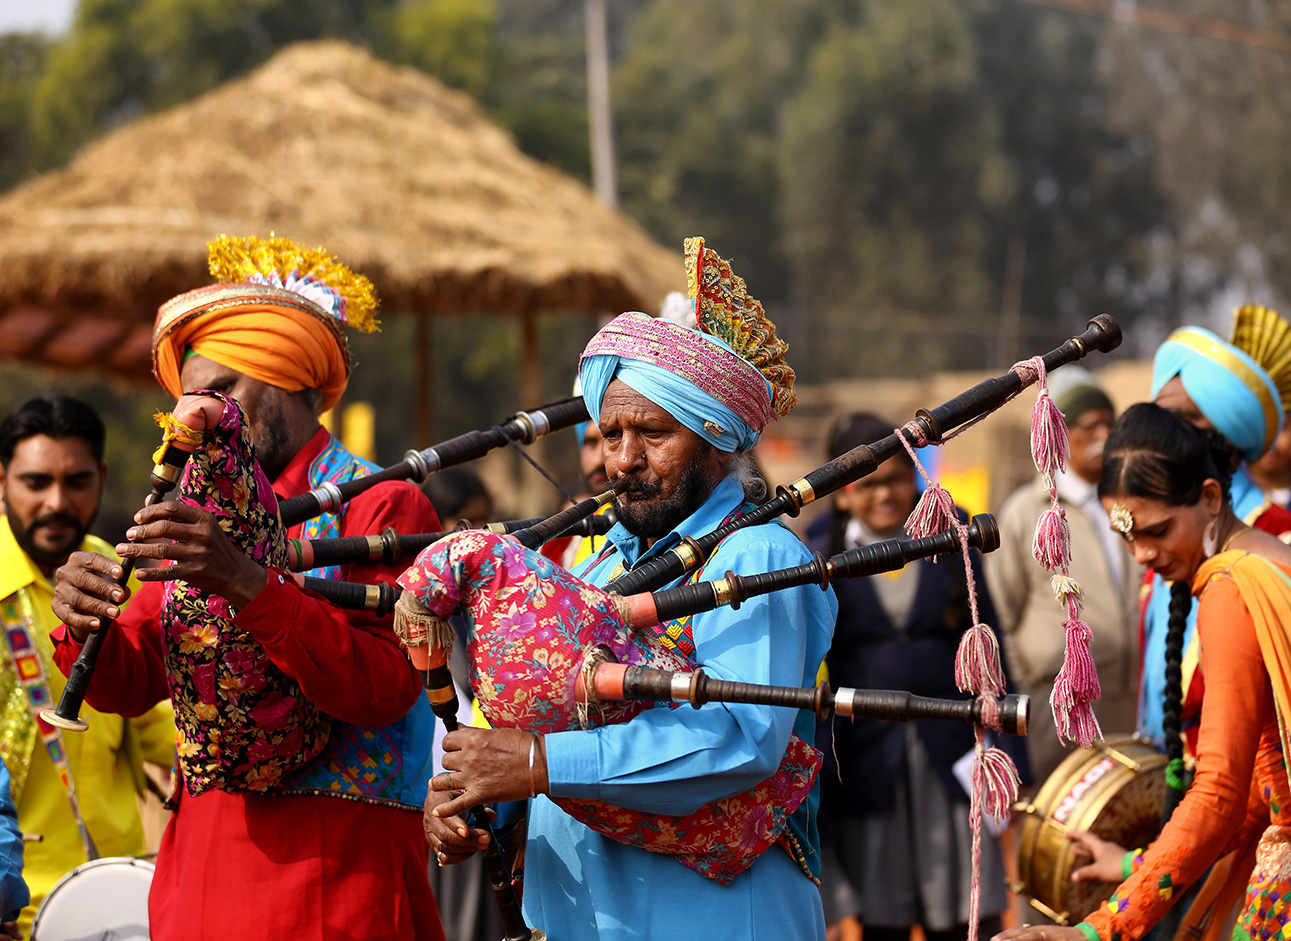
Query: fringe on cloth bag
x,y
977,662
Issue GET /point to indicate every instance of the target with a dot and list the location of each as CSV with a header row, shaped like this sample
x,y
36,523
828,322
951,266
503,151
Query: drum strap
x,y
16,619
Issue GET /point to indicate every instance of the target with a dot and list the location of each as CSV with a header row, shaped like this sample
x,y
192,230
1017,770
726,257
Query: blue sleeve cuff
x,y
573,764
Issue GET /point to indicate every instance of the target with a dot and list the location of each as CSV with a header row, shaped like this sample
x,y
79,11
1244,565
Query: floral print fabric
x,y
242,722
530,623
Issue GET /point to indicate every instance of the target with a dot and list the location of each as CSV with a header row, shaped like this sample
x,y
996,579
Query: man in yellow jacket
x,y
51,479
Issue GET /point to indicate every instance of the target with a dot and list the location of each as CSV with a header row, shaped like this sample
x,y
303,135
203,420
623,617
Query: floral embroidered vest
x,y
381,766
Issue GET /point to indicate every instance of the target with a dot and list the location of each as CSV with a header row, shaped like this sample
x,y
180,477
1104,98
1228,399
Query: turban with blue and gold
x,y
724,378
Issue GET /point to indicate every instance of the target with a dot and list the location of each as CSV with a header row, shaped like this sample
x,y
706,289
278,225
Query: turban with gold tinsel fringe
x,y
721,372
278,316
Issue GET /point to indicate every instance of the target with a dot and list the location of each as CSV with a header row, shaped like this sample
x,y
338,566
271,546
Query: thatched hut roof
x,y
402,178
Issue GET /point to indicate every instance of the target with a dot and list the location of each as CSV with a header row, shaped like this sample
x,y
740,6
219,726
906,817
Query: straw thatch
x,y
403,179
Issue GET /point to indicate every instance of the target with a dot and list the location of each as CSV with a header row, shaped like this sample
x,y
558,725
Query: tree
x,y
126,57
890,167
22,59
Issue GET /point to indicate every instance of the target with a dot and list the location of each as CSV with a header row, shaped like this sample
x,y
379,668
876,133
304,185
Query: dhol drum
x,y
1115,790
105,898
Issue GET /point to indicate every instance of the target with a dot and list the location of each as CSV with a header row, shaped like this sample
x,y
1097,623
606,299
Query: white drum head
x,y
103,900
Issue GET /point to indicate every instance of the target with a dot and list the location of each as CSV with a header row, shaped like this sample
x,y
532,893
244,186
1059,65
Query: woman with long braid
x,y
1164,485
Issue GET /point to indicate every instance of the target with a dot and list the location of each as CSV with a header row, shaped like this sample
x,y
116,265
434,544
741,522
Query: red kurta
x,y
305,868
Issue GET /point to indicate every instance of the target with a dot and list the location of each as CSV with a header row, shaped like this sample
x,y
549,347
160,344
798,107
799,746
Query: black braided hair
x,y
1172,717
1154,454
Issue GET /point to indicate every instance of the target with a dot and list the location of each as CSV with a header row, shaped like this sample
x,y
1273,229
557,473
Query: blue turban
x,y
631,345
679,397
1234,394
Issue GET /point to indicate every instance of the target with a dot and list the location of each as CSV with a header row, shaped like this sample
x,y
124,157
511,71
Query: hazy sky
x,y
49,16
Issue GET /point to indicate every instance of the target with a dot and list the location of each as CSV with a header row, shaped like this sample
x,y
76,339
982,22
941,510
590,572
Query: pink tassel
x,y
933,514
1078,662
1072,704
977,663
1050,446
1075,722
1052,544
995,777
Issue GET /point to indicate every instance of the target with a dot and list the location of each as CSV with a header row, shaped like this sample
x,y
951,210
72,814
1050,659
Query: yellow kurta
x,y
105,761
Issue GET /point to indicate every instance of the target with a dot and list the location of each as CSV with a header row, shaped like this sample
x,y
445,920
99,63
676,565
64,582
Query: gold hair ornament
x,y
1122,520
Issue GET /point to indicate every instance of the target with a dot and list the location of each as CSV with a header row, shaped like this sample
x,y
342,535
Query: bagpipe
x,y
243,725
510,597
548,652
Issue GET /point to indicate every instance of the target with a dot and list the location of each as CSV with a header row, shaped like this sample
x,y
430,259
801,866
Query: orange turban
x,y
268,333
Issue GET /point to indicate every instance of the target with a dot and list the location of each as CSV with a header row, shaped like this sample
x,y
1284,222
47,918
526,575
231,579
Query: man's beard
x,y
270,439
660,517
49,558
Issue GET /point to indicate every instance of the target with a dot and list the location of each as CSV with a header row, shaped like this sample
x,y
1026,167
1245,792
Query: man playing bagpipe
x,y
304,740
679,408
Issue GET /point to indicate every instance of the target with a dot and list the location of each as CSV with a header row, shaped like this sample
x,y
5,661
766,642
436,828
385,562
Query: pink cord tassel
x,y
1078,662
933,514
1076,688
977,662
1075,721
1052,544
1050,446
995,777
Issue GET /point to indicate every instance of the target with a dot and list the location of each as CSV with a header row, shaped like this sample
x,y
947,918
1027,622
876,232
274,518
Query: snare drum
x,y
105,898
1116,791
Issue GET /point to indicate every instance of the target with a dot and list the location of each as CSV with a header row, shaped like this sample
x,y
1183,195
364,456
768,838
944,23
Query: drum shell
x,y
95,897
1115,790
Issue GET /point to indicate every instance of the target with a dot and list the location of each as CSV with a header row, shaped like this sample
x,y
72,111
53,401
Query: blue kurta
x,y
1248,502
581,885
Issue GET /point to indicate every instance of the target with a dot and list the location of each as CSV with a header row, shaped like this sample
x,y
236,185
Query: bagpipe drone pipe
x,y
533,627
1102,334
522,428
391,546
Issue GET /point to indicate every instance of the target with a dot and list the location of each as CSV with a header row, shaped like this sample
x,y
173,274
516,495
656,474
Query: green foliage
x,y
22,60
451,39
126,57
698,98
863,163
885,150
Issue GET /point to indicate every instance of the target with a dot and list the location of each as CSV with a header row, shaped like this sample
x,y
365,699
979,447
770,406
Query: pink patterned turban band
x,y
696,377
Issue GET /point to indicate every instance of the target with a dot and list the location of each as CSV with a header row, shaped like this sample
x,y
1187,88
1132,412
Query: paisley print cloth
x,y
530,623
242,722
